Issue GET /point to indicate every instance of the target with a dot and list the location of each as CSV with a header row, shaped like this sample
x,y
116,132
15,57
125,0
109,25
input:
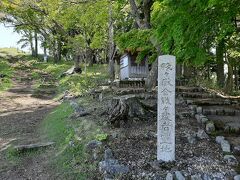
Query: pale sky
x,y
9,38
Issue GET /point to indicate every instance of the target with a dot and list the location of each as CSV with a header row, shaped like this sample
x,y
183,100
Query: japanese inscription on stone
x,y
166,108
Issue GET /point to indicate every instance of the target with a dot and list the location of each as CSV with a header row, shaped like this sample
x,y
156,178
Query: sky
x,y
9,38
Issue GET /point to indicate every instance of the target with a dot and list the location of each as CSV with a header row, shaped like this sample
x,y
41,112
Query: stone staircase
x,y
222,113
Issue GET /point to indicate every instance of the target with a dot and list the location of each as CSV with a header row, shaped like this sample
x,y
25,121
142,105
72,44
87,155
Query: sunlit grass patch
x,y
6,73
10,52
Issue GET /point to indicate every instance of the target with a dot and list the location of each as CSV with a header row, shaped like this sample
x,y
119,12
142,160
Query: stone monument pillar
x,y
166,108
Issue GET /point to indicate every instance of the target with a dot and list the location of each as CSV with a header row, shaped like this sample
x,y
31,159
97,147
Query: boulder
x,y
94,144
219,139
111,166
231,160
179,176
236,150
201,134
196,177
191,138
210,127
199,110
225,146
169,176
206,177
237,177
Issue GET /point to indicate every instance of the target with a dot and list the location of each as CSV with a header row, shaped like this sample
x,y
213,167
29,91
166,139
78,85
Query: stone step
x,y
221,112
196,95
130,91
189,89
209,102
128,84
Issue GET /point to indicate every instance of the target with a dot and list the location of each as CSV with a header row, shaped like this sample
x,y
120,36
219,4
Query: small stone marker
x,y
166,108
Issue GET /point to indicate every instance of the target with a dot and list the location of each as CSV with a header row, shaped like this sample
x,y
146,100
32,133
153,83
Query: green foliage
x,y
137,41
183,31
101,137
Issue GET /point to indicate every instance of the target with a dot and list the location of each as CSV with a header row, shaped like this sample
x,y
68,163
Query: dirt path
x,y
20,116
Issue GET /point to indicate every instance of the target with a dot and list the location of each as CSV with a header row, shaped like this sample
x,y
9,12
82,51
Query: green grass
x,y
7,71
10,52
77,84
56,128
71,159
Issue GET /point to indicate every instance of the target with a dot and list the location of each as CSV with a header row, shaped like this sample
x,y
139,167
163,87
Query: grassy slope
x,y
77,83
10,52
69,158
7,71
5,66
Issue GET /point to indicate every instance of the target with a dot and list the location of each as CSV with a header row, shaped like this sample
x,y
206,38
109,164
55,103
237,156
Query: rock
x,y
237,177
191,139
231,160
204,119
196,177
100,97
169,176
179,176
210,127
201,118
189,102
30,147
201,134
111,166
108,177
93,144
180,101
78,110
206,177
198,118
108,154
114,135
193,107
236,150
199,110
225,146
219,139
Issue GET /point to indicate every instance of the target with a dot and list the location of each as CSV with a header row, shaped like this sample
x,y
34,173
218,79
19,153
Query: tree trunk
x,y
59,50
126,108
111,46
179,71
45,57
229,83
36,44
89,57
147,4
31,44
151,80
188,72
236,77
220,63
142,22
